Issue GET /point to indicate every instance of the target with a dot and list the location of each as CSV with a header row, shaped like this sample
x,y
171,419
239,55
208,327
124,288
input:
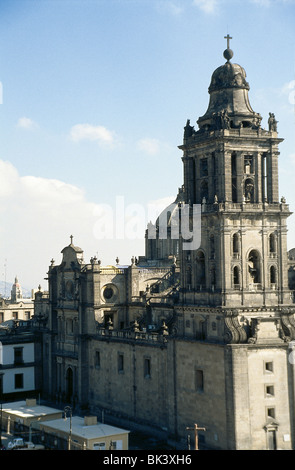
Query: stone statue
x,y
272,123
224,119
188,130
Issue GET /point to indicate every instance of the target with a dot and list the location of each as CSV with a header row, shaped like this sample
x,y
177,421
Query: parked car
x,y
19,443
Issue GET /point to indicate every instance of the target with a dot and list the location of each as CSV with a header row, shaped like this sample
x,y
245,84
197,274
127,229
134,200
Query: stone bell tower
x,y
231,169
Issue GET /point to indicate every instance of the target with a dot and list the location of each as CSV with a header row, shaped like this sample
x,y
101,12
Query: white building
x,y
20,415
79,433
18,363
17,307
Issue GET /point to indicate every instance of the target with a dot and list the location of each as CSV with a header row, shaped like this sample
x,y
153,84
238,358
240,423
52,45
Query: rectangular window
x,y
270,413
120,363
15,315
99,446
268,366
18,356
19,381
27,315
97,359
147,367
1,317
199,378
269,391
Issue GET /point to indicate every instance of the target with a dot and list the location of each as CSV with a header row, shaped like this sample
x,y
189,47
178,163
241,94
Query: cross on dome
x,y
228,53
228,37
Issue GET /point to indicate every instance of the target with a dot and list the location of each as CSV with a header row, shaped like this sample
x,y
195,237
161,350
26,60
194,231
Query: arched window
x,y
212,247
213,276
249,190
189,277
204,191
272,243
236,276
254,267
273,274
236,243
200,269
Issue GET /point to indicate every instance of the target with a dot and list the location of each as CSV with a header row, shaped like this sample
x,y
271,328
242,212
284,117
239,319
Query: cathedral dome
x,y
229,105
170,215
228,76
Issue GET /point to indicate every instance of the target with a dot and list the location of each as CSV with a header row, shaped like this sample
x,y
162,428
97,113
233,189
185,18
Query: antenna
x,y
5,272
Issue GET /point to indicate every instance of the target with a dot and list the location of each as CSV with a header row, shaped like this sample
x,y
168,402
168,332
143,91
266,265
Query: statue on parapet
x,y
272,122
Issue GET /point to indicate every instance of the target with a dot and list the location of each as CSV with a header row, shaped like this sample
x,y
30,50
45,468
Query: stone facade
x,y
186,336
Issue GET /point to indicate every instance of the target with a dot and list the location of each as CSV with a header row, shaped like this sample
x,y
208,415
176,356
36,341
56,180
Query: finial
x,y
71,237
228,53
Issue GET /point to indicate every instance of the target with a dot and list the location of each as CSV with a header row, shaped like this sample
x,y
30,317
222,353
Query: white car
x,y
15,443
19,443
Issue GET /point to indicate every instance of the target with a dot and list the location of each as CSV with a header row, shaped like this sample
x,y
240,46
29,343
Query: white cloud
x,y
263,3
208,6
170,7
37,217
92,133
149,146
288,89
26,123
268,3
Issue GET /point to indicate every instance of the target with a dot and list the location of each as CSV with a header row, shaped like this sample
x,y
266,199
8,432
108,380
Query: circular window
x,y
108,293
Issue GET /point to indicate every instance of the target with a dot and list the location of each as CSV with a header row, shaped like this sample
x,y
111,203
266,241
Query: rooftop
x,y
81,429
28,409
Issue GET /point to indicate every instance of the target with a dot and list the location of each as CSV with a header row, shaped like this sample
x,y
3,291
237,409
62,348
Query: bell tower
x,y
230,167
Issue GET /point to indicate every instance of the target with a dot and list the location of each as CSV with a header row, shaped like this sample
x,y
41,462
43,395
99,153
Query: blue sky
x,y
95,95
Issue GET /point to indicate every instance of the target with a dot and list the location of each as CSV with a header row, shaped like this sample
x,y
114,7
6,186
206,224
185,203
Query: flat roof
x,y
79,429
22,410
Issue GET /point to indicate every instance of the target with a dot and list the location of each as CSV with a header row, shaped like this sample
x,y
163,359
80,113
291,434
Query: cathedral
x,y
188,334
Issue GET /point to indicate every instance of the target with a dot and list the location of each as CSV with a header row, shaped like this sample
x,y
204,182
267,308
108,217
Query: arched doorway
x,y
69,384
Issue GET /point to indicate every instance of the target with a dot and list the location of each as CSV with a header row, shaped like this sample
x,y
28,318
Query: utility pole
x,y
196,429
69,409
